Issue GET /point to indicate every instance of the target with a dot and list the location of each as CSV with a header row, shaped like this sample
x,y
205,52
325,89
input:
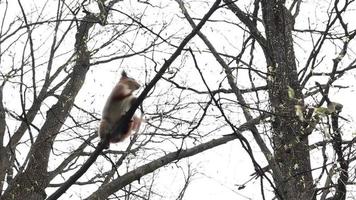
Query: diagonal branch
x,y
251,25
125,120
268,155
110,188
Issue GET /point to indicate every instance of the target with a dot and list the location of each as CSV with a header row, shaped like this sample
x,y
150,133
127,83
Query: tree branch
x,y
106,190
125,120
267,153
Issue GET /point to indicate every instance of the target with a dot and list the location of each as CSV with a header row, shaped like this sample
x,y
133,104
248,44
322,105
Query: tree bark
x,y
290,144
31,183
4,160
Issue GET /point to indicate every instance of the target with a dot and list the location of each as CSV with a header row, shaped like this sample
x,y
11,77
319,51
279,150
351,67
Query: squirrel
x,y
117,104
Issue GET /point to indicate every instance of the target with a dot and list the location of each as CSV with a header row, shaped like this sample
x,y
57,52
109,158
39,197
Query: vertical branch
x,y
3,154
340,193
32,51
2,119
268,155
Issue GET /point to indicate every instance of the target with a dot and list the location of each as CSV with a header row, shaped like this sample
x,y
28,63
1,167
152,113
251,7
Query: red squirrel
x,y
118,103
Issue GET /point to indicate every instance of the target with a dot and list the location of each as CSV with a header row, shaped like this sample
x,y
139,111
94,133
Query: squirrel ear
x,y
123,74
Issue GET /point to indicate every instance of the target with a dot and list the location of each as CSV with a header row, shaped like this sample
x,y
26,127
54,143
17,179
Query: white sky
x,y
220,169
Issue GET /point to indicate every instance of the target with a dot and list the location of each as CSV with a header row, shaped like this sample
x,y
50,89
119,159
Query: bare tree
x,y
213,72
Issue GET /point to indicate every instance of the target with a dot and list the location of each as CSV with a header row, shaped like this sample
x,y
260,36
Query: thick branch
x,y
268,155
125,120
3,157
106,190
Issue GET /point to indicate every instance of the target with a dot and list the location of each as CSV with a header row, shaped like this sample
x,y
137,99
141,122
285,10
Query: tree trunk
x,y
289,143
31,183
